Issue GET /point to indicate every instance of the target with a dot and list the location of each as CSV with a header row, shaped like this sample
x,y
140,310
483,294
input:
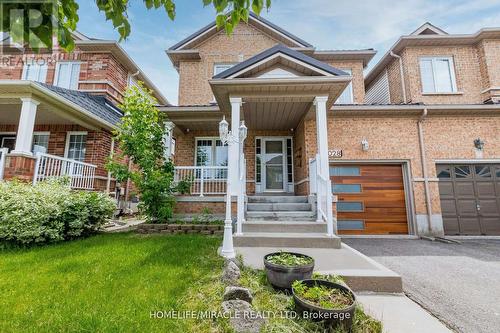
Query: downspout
x,y
424,168
401,72
111,153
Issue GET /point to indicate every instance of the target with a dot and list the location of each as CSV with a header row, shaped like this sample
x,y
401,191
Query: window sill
x,y
442,93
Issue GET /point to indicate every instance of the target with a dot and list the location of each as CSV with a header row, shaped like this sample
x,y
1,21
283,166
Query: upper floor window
x,y
35,72
438,75
67,75
219,68
347,95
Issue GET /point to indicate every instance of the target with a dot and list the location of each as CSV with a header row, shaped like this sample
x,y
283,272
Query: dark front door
x,y
470,198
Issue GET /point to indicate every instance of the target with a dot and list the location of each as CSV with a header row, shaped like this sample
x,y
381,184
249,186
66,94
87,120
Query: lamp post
x,y
229,138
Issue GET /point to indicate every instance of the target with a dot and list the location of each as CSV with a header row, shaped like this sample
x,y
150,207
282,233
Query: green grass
x,y
107,283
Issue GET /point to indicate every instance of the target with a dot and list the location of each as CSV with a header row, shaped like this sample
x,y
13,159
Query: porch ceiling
x,y
10,111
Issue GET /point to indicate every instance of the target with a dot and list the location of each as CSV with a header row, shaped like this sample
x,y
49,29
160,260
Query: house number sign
x,y
335,153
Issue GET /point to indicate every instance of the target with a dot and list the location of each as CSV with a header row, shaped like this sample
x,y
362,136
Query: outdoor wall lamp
x,y
227,136
365,145
479,144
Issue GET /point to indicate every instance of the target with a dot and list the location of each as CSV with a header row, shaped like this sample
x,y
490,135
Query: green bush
x,y
49,212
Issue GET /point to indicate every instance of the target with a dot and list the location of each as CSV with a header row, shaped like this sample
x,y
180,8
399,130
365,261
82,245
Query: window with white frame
x,y
40,140
35,72
76,143
438,75
347,95
219,68
211,152
67,75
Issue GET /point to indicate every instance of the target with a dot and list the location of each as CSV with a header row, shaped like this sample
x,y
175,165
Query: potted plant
x,y
283,268
321,300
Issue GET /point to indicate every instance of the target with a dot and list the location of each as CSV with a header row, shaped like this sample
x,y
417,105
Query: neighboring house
x,y
64,105
412,148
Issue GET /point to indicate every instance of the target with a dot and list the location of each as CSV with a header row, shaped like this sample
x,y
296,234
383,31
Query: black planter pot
x,y
282,277
335,318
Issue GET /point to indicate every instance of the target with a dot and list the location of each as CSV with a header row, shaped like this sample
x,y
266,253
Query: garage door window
x,y
346,188
349,206
483,171
344,171
443,172
350,225
463,171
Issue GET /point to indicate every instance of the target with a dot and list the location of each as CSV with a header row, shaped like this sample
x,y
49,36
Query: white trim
x,y
214,139
451,67
286,183
468,161
68,135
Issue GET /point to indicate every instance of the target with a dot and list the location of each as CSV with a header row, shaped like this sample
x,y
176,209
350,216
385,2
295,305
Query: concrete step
x,y
277,199
279,206
281,216
279,240
284,227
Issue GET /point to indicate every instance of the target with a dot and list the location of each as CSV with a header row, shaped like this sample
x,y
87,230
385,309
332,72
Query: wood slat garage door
x,y
470,198
371,199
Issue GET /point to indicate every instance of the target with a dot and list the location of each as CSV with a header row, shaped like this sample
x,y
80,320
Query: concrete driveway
x,y
458,283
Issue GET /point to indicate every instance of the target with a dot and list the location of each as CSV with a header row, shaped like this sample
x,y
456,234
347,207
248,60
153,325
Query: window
x,y
343,206
67,75
289,163
463,171
483,171
41,140
76,146
35,72
219,68
350,225
258,161
443,171
438,75
344,171
346,188
211,152
347,96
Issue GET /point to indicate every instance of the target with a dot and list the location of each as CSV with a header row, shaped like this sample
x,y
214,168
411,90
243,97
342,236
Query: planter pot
x,y
282,277
336,318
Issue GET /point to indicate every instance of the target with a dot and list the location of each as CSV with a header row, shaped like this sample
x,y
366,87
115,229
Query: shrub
x,y
49,212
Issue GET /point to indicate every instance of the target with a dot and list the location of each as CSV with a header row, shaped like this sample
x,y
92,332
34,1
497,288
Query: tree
x,y
140,136
60,17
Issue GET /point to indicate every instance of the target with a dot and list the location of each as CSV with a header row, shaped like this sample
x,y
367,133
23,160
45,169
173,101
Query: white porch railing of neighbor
x,y
81,175
3,154
203,179
322,186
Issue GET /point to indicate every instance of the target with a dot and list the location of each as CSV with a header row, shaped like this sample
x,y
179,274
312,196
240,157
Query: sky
x,y
326,24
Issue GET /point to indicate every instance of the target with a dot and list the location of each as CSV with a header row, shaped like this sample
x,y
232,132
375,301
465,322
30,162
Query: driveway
x,y
458,283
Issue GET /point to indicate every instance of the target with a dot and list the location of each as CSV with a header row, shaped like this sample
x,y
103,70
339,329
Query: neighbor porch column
x,y
233,151
324,167
24,136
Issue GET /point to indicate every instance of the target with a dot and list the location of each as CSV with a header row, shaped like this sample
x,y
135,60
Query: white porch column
x,y
169,127
233,151
24,136
324,168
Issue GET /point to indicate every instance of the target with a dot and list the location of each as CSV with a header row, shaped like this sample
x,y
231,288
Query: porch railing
x,y
203,179
3,154
322,186
81,175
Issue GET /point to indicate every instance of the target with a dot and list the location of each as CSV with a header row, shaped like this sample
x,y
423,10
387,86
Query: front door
x,y
274,165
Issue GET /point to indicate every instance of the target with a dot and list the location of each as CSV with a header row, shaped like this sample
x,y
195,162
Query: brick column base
x,y
20,167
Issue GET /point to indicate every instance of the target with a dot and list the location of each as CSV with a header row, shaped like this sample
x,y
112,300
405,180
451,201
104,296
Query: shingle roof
x,y
280,49
97,105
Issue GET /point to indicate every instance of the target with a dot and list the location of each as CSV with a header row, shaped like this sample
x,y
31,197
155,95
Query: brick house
x,y
411,148
58,110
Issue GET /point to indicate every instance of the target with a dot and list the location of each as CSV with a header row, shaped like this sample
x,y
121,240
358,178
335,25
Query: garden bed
x,y
181,228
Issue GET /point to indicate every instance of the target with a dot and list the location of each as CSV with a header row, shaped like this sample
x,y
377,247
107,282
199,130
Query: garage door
x,y
371,199
470,198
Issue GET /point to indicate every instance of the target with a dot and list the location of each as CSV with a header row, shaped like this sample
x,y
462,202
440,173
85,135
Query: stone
x,y
247,320
234,293
174,227
206,232
186,226
231,273
213,227
218,232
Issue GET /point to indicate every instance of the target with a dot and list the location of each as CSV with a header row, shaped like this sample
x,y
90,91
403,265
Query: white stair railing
x,y
81,175
3,155
203,179
323,188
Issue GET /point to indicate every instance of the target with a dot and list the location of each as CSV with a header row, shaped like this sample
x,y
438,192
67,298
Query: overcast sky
x,y
327,24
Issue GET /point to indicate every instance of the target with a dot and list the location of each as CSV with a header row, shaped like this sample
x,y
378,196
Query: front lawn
x,y
107,283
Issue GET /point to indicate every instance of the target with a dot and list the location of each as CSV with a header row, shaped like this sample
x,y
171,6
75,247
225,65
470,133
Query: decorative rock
x,y
206,232
174,227
213,227
234,293
166,231
199,227
231,273
218,232
186,226
247,320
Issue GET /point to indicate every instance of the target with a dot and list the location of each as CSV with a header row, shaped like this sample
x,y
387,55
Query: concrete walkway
x,y
123,226
458,283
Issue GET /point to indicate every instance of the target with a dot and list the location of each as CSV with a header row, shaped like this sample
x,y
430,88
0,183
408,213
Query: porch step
x,y
284,227
277,199
270,239
281,216
279,206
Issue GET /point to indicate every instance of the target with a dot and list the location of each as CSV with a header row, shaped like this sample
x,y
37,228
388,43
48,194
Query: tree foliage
x,y
60,17
140,136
